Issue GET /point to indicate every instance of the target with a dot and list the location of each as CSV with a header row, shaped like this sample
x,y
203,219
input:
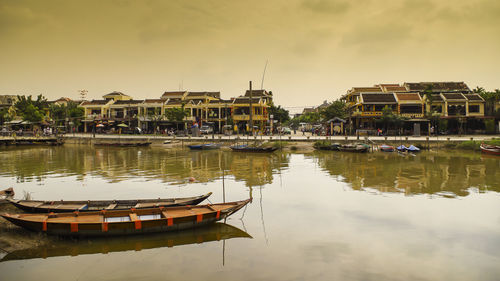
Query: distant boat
x,y
358,147
6,194
126,222
333,146
122,144
490,149
411,148
35,206
387,148
402,148
246,148
206,146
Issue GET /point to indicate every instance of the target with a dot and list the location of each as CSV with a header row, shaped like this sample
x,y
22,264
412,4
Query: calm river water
x,y
314,216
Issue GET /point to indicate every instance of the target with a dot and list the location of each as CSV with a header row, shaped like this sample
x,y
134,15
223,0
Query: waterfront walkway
x,y
293,137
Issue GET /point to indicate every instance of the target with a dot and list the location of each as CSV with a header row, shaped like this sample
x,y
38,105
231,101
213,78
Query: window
x,y
473,108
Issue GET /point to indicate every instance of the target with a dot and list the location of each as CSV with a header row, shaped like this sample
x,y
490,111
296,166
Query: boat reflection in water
x,y
65,247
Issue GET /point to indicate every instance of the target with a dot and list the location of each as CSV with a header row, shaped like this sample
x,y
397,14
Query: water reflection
x,y
64,247
442,173
117,164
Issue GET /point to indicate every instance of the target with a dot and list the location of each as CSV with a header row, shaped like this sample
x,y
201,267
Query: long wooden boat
x,y
126,222
35,206
360,148
333,146
490,149
123,144
246,148
206,146
69,247
6,194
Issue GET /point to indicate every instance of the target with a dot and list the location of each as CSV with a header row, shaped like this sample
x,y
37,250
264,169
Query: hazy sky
x,y
316,49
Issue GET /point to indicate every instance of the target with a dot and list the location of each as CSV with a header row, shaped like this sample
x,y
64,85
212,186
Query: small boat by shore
x,y
331,147
126,222
205,146
6,194
35,206
357,147
411,148
490,149
246,148
123,144
386,148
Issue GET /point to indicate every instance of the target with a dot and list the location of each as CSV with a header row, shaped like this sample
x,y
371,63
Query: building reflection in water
x,y
156,163
442,173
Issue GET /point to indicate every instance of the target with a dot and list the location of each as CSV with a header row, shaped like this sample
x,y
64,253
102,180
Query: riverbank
x,y
288,142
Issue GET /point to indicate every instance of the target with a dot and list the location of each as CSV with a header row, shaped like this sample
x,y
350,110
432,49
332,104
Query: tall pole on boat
x,y
251,109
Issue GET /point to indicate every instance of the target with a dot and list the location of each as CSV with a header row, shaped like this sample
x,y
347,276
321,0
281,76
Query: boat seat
x,y
111,206
83,207
38,205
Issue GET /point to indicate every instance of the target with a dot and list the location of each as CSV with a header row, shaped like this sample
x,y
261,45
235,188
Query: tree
x,y
31,110
335,109
279,113
176,114
4,115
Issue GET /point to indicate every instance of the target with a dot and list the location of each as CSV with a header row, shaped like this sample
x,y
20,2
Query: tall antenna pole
x,y
251,109
263,74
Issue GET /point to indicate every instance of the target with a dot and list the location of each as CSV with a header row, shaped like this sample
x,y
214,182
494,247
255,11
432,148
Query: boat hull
x,y
253,149
33,206
490,149
110,224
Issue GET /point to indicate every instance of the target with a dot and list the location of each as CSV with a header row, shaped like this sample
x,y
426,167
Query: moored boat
x,y
205,146
123,144
36,206
386,148
357,147
411,148
126,222
333,146
6,194
490,149
246,148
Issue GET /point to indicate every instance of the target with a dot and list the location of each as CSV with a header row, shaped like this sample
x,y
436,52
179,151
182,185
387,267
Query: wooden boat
x,y
69,247
246,148
6,194
126,222
490,149
333,146
206,146
386,148
123,144
359,147
34,206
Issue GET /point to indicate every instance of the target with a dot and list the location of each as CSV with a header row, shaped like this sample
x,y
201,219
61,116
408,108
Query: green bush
x,y
469,145
490,126
321,143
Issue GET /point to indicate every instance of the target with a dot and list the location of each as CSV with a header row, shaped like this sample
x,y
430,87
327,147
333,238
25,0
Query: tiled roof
x,y
437,86
118,102
408,96
116,93
394,89
474,97
154,101
365,89
258,93
453,96
243,100
378,98
95,102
